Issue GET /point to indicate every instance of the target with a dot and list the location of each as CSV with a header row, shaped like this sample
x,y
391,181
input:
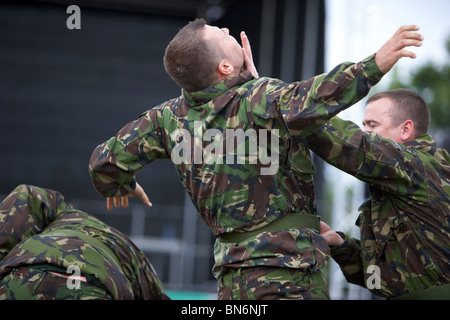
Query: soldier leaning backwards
x,y
266,225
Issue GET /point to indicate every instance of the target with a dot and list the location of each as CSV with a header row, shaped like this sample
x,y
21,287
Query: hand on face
x,y
248,56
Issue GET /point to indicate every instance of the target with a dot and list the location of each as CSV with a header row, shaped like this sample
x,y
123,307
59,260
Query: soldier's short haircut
x,y
407,105
190,60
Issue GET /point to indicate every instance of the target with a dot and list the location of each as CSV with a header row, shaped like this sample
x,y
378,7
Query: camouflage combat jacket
x,y
39,229
404,226
234,195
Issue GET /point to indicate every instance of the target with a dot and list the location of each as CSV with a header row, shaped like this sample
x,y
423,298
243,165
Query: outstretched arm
x,y
306,105
114,163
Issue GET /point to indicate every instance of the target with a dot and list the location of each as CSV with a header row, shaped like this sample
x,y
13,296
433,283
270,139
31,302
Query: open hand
x,y
394,49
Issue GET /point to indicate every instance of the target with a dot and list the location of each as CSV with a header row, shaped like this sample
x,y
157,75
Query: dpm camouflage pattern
x,y
404,226
236,196
25,283
39,230
268,283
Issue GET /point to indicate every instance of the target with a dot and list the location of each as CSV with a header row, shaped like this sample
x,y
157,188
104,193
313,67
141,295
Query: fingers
x,y
140,193
143,197
117,202
246,43
123,200
408,39
249,65
407,54
248,56
409,28
324,227
405,37
394,48
109,203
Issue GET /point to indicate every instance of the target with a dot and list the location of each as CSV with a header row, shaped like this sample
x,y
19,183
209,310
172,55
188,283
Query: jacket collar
x,y
423,142
204,96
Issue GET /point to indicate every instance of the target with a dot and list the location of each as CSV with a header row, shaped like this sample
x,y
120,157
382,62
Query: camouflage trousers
x,y
25,283
271,283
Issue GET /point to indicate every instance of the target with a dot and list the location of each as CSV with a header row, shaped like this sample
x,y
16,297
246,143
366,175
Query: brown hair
x,y
408,105
190,60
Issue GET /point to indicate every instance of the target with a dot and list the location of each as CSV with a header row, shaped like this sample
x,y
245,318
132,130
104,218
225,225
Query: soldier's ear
x,y
407,133
225,67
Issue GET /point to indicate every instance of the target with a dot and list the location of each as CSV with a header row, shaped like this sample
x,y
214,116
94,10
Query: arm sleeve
x,y
114,163
305,106
348,257
370,158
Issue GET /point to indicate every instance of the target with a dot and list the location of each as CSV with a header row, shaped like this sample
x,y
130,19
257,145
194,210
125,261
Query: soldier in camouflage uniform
x,y
264,217
49,250
404,226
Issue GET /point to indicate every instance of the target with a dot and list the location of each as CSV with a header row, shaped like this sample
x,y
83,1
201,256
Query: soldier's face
x,y
377,118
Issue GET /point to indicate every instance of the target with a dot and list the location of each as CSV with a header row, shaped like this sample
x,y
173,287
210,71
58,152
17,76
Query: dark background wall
x,y
63,92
